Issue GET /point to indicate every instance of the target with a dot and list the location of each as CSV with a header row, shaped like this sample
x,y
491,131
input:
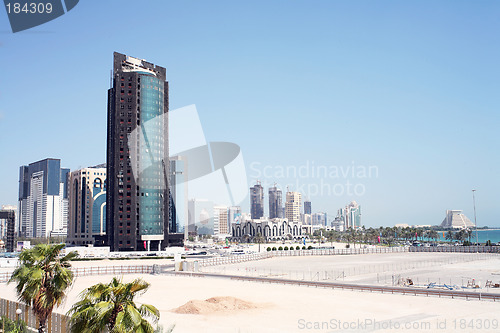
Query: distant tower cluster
x,y
257,201
319,219
350,215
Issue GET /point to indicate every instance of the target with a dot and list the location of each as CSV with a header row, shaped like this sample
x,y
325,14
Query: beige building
x,y
292,206
87,206
221,220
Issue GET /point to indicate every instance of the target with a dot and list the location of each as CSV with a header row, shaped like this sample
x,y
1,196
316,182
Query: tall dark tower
x,y
307,207
275,204
257,201
137,156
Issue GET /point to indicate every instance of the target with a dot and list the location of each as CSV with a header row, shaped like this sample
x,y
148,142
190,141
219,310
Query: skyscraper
x,y
16,223
43,199
178,195
257,201
87,206
292,206
307,207
274,202
221,226
137,156
9,218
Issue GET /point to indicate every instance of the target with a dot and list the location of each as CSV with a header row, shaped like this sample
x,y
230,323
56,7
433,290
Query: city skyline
x,y
400,86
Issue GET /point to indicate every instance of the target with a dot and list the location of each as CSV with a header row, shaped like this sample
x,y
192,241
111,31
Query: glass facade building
x,y
137,156
178,195
257,201
275,203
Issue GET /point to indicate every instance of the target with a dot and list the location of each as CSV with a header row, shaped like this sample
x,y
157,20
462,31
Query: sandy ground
x,y
292,309
379,269
285,308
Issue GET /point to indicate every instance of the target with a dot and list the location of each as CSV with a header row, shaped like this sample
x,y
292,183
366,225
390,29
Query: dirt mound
x,y
214,304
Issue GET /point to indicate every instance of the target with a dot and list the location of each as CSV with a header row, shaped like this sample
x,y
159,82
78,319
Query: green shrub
x,y
286,248
268,249
280,248
274,248
303,247
297,247
13,326
310,247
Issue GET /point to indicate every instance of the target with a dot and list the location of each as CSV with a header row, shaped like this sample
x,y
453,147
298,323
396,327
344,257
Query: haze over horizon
x,y
393,101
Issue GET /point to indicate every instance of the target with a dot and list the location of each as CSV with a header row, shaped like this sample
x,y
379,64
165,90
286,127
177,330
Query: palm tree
x,y
111,307
372,235
42,277
259,239
433,234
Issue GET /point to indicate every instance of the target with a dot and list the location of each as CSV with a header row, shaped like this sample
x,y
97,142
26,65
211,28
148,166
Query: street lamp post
x,y
475,222
18,313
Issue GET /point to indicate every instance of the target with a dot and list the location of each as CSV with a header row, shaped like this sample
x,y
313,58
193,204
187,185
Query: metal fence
x,y
350,251
346,271
5,276
456,249
357,287
112,270
331,252
234,259
98,270
57,323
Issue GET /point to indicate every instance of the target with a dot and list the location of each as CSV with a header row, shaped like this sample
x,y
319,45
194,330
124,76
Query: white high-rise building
x,y
221,226
43,199
292,206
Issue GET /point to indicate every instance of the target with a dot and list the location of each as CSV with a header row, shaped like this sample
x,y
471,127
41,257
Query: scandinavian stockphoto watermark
x,y
311,178
371,324
26,14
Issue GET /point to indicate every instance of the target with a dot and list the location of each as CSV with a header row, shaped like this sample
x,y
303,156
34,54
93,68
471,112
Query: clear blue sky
x,y
411,87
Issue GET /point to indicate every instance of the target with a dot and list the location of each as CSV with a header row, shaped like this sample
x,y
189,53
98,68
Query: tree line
x,y
392,235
